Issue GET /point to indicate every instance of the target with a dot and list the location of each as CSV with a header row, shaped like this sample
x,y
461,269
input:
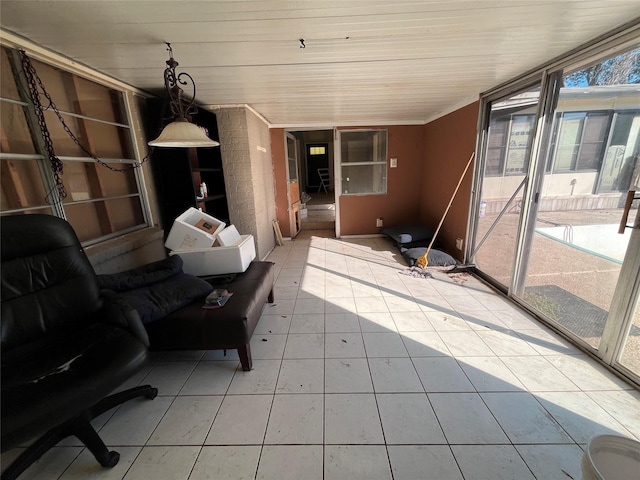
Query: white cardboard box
x,y
185,235
218,260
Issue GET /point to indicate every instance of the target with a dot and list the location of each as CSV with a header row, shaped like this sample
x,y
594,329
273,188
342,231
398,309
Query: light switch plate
x,y
394,162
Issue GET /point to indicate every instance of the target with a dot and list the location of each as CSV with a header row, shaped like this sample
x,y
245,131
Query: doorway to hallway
x,y
317,207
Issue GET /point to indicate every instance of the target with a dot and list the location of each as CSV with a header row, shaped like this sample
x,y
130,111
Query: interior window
x,y
364,161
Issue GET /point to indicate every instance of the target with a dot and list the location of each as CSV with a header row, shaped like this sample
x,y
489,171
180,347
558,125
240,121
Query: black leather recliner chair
x,y
65,347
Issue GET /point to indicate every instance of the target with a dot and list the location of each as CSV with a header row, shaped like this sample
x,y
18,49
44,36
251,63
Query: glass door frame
x,y
550,89
624,303
627,291
479,168
294,216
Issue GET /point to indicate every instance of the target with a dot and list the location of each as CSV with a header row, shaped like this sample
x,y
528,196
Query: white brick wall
x,y
248,174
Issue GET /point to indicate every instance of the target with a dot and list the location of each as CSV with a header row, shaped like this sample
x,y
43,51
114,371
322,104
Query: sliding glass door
x,y
508,137
577,253
629,355
560,168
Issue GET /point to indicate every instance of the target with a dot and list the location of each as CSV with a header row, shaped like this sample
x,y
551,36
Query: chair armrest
x,y
117,311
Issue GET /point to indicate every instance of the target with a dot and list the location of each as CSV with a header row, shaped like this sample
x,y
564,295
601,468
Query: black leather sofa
x,y
229,327
65,346
170,305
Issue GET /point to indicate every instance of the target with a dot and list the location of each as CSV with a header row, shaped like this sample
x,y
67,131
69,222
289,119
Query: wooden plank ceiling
x,y
365,61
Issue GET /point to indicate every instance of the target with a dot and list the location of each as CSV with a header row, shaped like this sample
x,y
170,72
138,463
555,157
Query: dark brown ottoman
x,y
228,327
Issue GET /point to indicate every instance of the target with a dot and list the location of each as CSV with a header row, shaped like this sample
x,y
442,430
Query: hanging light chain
x,y
36,88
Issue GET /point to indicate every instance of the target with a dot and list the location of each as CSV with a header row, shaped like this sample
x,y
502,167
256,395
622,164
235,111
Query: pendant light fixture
x,y
180,132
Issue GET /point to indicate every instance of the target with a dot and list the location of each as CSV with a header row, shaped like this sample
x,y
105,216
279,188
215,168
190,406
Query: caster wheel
x,y
153,393
110,460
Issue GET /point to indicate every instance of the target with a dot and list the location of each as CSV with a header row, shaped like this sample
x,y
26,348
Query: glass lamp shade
x,y
182,133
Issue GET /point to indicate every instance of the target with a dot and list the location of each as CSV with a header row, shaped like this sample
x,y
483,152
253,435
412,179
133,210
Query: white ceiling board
x,y
364,61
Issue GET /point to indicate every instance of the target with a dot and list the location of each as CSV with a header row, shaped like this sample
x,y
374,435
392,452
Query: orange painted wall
x,y
449,142
280,179
431,159
400,204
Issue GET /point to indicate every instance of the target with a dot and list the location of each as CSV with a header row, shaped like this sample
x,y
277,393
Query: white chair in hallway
x,y
325,180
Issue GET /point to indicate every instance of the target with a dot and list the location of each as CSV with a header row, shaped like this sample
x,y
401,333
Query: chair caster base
x,y
153,393
110,460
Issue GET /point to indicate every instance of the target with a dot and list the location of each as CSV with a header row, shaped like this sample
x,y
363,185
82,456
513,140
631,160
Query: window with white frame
x,y
509,143
363,161
580,138
102,200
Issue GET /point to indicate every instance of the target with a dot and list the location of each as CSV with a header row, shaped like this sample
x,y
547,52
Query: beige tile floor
x,y
361,372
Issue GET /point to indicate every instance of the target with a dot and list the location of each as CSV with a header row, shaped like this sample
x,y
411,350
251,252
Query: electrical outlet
x,y
379,222
459,243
